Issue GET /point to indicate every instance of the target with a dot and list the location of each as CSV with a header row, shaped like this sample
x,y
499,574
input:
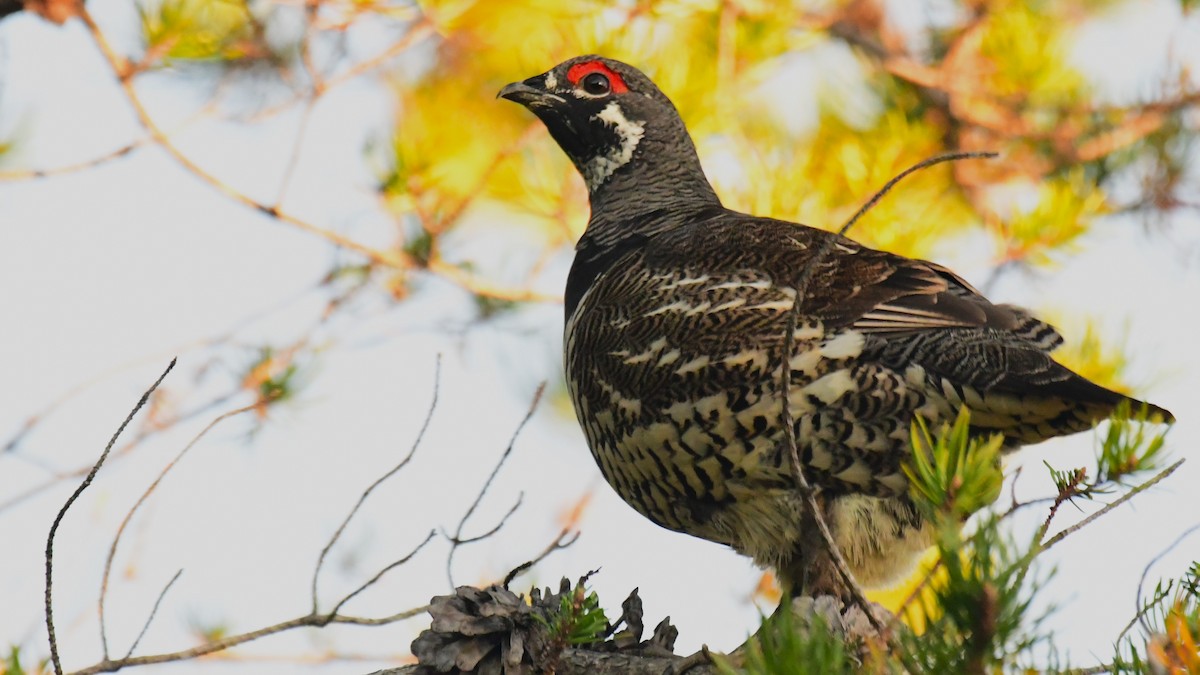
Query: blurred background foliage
x,y
800,110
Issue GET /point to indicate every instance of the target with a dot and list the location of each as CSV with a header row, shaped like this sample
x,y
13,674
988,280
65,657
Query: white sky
x,y
115,269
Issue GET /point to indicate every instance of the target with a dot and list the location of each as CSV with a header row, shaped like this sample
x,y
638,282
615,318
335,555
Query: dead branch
x,y
120,452
457,539
387,258
564,539
801,286
419,31
333,539
70,501
314,618
308,620
149,618
379,575
112,549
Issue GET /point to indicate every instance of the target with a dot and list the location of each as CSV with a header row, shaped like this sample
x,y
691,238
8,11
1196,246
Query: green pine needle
x,y
951,474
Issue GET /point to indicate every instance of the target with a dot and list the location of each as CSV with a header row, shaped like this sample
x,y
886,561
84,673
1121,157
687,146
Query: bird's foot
x,y
844,618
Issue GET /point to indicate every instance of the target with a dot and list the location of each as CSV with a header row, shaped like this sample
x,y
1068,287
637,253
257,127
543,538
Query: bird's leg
x,y
812,570
816,587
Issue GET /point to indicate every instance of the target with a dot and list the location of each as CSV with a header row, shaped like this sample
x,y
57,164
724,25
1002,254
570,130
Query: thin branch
x,y
70,501
560,542
289,169
112,549
121,69
1142,580
478,286
153,611
383,620
225,337
379,575
887,187
422,29
457,539
387,258
800,287
437,378
34,174
316,79
128,148
1109,507
1018,506
308,620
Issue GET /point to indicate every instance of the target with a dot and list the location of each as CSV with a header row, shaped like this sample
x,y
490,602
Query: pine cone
x,y
494,631
490,631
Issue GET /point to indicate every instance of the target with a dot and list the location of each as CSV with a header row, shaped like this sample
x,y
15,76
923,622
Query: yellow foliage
x,y
440,165
900,599
1177,652
1024,45
822,179
1064,211
1099,359
199,29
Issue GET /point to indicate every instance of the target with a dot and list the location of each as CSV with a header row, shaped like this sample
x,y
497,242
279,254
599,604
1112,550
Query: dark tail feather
x,y
1148,411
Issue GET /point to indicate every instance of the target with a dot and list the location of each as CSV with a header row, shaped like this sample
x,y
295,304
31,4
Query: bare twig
x,y
887,187
315,77
383,620
153,610
117,153
419,31
289,169
379,575
457,540
112,549
564,539
54,657
387,258
115,455
308,620
1109,507
1142,610
437,378
159,425
120,67
801,286
1018,506
33,174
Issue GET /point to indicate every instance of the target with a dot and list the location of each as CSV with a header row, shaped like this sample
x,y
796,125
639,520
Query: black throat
x,y
660,187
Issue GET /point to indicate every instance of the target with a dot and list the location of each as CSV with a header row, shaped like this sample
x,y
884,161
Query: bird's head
x,y
606,115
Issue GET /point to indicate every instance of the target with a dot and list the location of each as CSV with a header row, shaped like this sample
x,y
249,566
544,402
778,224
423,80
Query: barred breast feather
x,y
673,356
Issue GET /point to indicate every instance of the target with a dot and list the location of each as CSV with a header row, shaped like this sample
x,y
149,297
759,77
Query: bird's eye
x,y
596,84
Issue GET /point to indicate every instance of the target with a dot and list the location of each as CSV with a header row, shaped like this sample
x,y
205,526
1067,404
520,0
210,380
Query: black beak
x,y
529,93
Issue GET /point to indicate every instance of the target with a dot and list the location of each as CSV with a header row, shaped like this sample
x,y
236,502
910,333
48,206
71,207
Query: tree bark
x,y
583,662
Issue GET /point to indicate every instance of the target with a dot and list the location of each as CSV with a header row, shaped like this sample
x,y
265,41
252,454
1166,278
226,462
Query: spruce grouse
x,y
676,315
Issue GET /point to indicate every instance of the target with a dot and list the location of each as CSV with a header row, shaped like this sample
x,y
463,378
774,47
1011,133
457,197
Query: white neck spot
x,y
599,168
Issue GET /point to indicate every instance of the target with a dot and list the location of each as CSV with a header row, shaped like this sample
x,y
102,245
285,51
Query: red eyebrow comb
x,y
581,70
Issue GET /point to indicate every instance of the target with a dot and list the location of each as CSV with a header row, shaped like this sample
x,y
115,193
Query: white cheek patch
x,y
629,133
